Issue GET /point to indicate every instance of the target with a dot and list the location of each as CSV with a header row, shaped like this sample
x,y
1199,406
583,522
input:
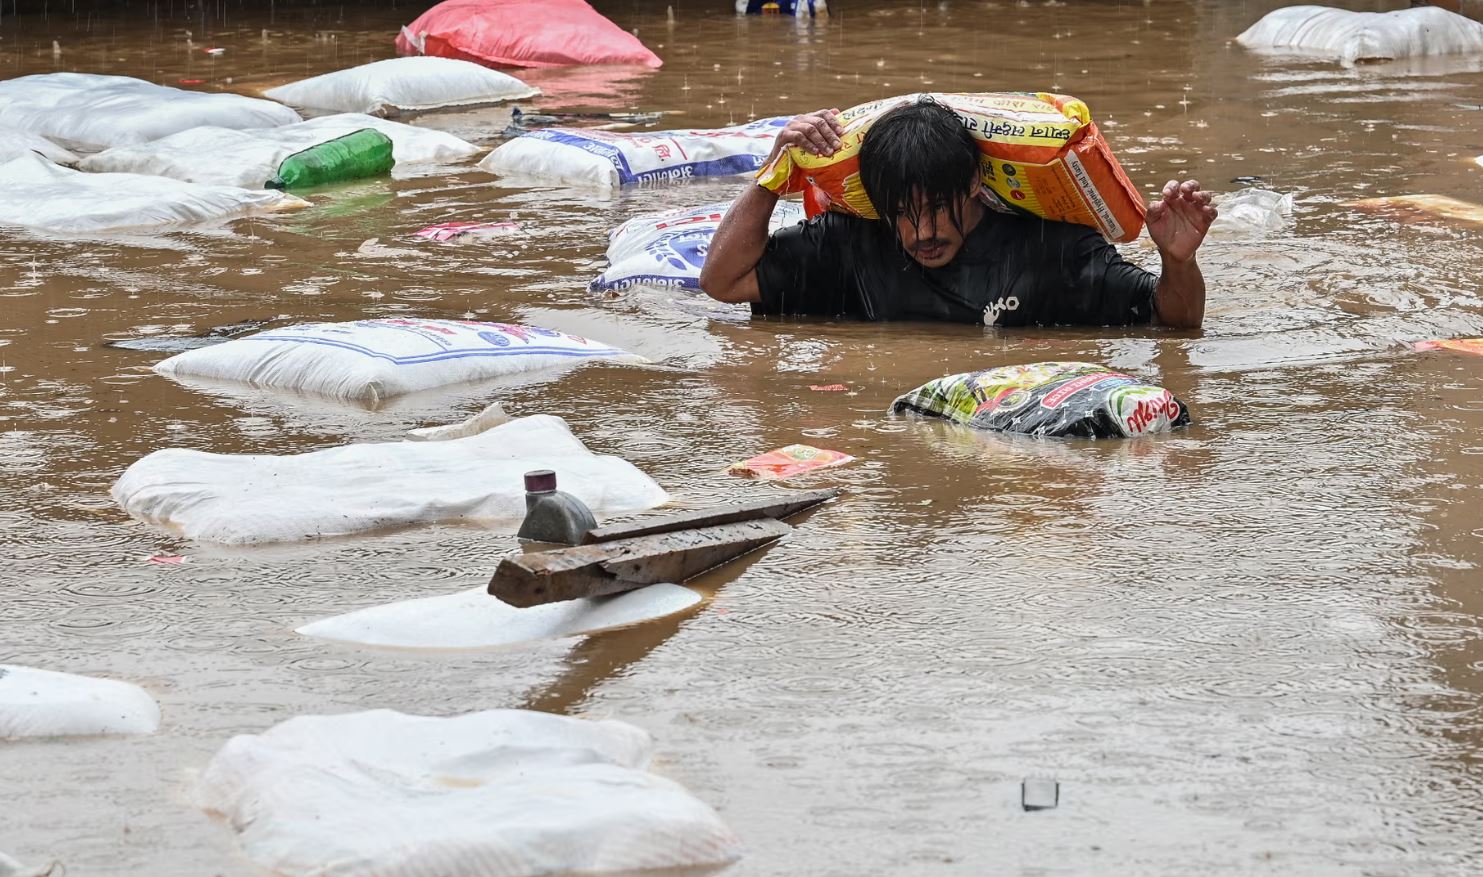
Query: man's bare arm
x,y
1177,223
730,270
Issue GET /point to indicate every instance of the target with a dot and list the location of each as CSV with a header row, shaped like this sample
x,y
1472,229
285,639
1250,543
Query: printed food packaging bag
x,y
1041,153
604,158
1076,399
669,249
787,462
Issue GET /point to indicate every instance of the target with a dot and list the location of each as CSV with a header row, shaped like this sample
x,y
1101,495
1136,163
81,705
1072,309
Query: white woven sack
x,y
88,111
501,793
403,84
47,197
668,249
245,499
1348,37
41,703
250,158
371,361
608,159
17,144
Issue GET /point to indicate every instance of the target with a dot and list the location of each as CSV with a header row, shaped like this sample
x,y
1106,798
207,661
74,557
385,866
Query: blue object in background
x,y
780,7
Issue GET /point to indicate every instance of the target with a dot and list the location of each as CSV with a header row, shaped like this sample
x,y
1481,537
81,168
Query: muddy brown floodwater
x,y
1251,647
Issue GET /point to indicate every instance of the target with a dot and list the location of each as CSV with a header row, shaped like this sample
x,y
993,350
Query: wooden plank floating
x,y
775,507
626,564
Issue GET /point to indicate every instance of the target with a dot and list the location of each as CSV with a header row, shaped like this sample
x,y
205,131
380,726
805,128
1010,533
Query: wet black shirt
x,y
1011,271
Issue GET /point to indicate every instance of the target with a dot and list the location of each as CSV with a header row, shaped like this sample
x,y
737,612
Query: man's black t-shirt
x,y
1011,271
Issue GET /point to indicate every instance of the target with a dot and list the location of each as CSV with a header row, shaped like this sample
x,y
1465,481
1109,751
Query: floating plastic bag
x,y
500,793
444,232
669,248
370,361
18,144
44,196
356,156
475,620
1252,212
1459,345
1350,37
1049,399
243,499
89,112
250,158
522,33
403,84
40,703
1041,153
788,462
605,158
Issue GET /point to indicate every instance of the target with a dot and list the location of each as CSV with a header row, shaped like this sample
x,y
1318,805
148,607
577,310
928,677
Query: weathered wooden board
x,y
622,565
775,507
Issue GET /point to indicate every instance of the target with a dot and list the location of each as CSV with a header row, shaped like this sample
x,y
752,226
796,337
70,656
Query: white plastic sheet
x,y
584,156
242,499
41,703
475,620
16,144
89,112
668,249
403,84
1349,37
1251,212
47,197
501,793
9,867
370,361
250,158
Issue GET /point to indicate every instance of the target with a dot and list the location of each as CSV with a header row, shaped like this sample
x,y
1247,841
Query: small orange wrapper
x,y
1461,345
787,462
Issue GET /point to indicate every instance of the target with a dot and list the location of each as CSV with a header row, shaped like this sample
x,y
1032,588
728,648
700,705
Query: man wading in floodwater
x,y
938,253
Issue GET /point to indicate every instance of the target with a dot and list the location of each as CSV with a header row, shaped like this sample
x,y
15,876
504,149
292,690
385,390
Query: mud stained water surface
x,y
1250,647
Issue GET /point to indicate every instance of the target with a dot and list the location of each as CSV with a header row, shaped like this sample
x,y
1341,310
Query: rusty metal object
x,y
775,507
626,564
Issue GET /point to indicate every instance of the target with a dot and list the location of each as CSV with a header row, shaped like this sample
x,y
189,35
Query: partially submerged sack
x,y
250,158
606,158
47,197
245,499
41,703
370,361
355,156
1049,399
500,793
669,248
1350,37
403,84
1041,153
15,143
89,112
522,33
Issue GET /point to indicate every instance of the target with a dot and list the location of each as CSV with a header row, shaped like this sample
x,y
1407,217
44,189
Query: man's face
x,y
933,240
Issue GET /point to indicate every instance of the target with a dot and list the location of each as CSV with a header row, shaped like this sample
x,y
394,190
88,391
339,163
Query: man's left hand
x,y
1179,219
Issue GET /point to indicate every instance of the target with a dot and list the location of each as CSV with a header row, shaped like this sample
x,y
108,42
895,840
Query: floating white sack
x,y
605,158
88,111
370,361
1252,212
16,144
40,703
501,793
475,620
250,158
1348,37
242,499
492,416
669,248
403,84
44,196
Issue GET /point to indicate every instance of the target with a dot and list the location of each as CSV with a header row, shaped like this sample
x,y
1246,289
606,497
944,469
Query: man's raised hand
x,y
817,133
1179,219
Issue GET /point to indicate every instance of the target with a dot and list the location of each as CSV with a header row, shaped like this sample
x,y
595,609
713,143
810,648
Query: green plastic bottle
x,y
359,154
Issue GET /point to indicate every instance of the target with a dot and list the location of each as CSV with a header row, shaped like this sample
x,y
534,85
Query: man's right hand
x,y
817,133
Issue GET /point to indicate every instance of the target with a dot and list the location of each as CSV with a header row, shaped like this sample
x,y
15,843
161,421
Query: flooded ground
x,y
1248,648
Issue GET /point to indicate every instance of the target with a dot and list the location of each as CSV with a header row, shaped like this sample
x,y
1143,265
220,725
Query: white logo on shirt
x,y
996,309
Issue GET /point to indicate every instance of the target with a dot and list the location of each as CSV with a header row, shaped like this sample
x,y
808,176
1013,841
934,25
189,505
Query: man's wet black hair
x,y
921,150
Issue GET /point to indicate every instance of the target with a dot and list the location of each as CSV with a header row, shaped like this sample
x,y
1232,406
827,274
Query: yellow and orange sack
x,y
1041,152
